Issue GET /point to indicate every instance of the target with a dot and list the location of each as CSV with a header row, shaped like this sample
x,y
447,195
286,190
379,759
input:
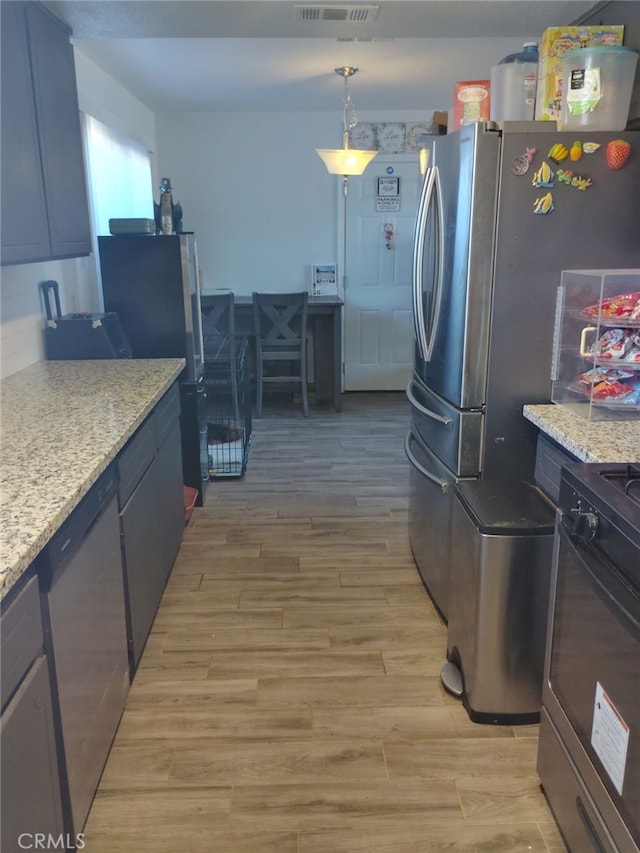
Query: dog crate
x,y
228,385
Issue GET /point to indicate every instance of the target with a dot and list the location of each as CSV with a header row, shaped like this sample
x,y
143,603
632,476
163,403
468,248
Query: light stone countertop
x,y
589,441
63,422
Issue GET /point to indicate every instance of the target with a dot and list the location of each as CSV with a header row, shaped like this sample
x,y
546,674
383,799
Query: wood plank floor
x,y
288,698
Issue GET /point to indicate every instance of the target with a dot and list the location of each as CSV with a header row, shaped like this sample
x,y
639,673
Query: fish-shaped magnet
x,y
543,177
544,204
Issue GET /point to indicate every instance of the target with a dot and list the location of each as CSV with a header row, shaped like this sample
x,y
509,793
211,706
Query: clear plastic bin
x,y
596,88
596,355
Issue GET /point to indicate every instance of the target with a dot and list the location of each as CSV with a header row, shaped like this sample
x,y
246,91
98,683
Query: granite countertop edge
x,y
588,440
63,423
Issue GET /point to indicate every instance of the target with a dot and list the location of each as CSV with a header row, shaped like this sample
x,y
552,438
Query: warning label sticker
x,y
609,737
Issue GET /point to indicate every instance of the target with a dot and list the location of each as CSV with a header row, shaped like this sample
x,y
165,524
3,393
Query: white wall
x,y
257,196
104,99
21,312
252,188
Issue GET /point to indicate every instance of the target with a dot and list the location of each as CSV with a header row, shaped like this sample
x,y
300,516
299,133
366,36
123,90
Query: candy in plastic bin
x,y
623,305
615,343
608,390
633,356
602,374
632,397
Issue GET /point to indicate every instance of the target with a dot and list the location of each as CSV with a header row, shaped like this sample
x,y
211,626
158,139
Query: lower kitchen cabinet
x,y
151,516
31,798
72,633
169,505
86,639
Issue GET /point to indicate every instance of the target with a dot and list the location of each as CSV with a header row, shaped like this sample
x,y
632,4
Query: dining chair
x,y
280,322
221,348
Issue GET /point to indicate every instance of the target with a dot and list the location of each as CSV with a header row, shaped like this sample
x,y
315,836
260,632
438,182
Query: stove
x,y
627,481
602,503
589,750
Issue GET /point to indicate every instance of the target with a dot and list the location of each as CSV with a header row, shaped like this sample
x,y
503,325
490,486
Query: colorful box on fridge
x,y
471,102
555,42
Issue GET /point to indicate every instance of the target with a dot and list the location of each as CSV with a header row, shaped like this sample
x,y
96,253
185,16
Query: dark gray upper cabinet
x,y
44,198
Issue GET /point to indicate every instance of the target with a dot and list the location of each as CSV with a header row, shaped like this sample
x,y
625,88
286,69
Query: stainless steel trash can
x,y
502,538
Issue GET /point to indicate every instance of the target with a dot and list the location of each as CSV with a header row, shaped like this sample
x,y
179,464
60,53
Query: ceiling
x,y
254,55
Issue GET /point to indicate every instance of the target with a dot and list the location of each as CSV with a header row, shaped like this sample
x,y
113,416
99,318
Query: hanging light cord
x,y
350,117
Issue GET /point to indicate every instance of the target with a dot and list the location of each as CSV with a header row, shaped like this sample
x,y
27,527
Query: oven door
x,y
593,662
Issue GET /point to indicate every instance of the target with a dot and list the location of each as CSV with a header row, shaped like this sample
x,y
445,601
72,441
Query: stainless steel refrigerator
x,y
487,264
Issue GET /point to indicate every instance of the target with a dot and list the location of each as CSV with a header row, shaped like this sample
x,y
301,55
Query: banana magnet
x,y
558,152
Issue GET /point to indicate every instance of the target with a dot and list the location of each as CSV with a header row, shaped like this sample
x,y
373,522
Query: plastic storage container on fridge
x,y
513,85
596,88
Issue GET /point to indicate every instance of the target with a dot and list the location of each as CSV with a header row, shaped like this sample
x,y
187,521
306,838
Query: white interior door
x,y
378,346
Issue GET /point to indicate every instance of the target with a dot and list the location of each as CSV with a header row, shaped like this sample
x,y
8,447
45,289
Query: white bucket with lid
x,y
596,87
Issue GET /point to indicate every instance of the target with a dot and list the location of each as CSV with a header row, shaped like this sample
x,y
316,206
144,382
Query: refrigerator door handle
x,y
441,419
442,484
418,249
430,205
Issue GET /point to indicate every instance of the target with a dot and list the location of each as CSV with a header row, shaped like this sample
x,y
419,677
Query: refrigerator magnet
x,y
544,204
543,177
521,163
580,182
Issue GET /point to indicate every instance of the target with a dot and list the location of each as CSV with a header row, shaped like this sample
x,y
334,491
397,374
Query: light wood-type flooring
x,y
288,700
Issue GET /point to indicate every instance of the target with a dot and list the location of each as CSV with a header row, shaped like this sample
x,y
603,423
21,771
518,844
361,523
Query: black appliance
x,y
86,640
152,283
589,748
82,335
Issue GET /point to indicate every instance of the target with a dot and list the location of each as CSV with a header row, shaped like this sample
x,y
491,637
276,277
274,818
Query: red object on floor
x,y
190,497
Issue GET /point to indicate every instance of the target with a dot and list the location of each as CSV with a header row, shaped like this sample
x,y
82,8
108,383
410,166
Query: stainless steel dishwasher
x,y
86,639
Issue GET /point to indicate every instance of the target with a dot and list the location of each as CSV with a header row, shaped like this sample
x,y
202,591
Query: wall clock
x,y
391,138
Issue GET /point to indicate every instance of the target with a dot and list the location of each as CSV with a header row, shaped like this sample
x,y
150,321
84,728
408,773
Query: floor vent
x,y
336,14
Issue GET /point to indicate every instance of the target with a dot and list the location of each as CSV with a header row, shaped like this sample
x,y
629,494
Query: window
x,y
119,176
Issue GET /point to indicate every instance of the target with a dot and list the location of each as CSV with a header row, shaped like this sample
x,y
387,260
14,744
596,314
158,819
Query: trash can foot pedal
x,y
451,679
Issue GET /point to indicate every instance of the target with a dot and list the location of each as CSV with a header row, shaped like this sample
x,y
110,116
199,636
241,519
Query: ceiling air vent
x,y
352,39
336,14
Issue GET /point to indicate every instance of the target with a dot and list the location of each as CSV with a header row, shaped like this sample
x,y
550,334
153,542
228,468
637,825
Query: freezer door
x,y
431,488
455,436
453,255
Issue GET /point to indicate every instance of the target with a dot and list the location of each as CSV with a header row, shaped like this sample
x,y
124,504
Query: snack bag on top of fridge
x,y
471,102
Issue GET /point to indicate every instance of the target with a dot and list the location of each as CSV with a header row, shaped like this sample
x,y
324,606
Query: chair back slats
x,y
220,346
218,320
280,323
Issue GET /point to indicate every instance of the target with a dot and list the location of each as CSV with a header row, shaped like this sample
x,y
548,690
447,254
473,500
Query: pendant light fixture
x,y
346,161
